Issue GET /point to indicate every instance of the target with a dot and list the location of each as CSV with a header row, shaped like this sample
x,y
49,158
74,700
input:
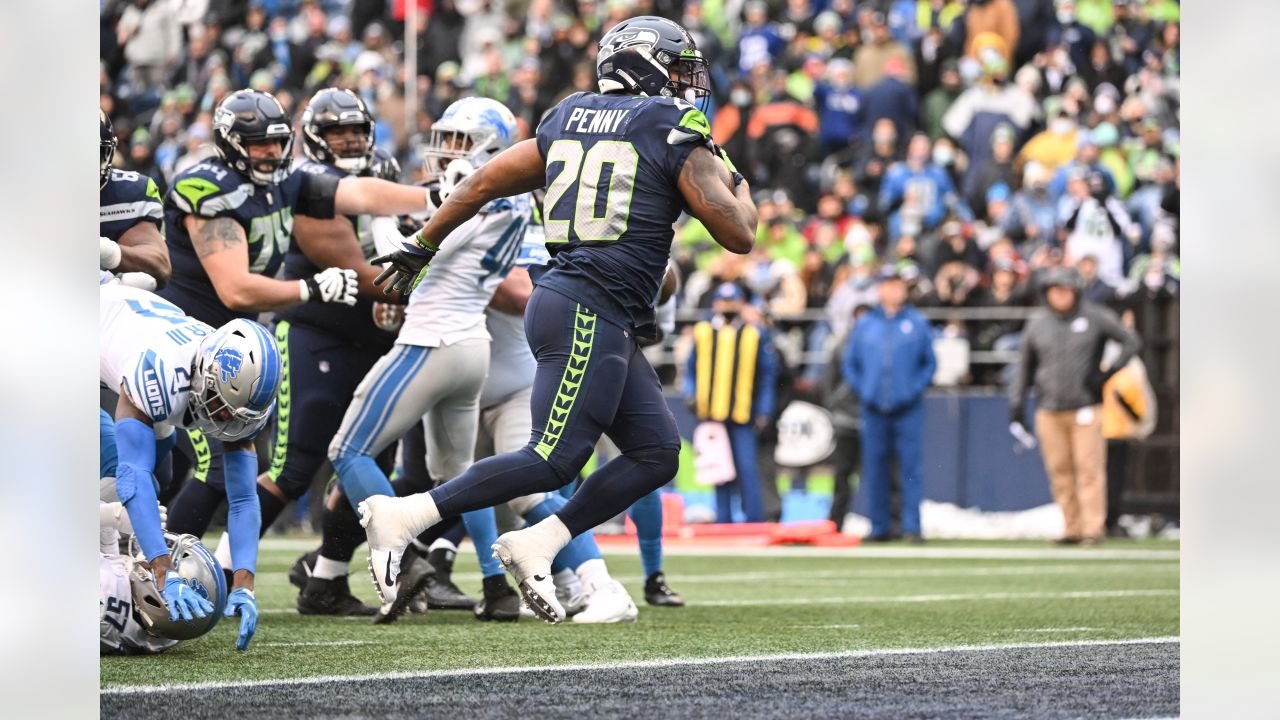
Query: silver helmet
x,y
474,129
197,566
234,381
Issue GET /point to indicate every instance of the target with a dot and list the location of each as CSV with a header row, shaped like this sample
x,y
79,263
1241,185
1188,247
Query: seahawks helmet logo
x,y
229,361
630,39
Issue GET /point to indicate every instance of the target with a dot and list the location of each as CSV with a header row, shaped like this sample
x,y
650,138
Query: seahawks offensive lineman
x,y
441,357
229,223
130,220
172,371
610,235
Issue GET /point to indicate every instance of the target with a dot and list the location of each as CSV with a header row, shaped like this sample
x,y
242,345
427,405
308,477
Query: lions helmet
x,y
473,129
246,117
197,566
638,56
234,381
334,108
106,148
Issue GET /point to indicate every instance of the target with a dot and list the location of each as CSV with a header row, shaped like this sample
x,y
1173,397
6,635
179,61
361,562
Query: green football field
x,y
761,603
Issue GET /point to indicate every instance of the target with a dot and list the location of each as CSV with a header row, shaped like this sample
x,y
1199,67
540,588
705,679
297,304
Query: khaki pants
x,y
1075,457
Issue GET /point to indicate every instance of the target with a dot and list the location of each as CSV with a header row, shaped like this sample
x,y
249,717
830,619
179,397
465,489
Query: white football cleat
x,y
531,570
387,531
609,603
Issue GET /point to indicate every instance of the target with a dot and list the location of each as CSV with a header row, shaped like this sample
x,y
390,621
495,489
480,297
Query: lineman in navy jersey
x,y
610,232
130,220
229,222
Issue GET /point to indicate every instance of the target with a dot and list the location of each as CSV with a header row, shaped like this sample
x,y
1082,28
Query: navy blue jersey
x,y
612,166
127,199
211,189
355,323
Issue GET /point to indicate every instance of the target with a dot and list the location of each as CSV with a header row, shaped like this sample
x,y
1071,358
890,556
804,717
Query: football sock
x,y
483,529
271,507
327,569
613,488
361,478
341,533
579,550
646,513
548,537
443,544
567,580
593,573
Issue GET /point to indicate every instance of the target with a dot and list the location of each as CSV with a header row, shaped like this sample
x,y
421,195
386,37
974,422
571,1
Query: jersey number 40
x,y
600,200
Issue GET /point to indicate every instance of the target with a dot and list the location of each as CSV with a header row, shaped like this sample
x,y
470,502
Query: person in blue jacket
x,y
889,363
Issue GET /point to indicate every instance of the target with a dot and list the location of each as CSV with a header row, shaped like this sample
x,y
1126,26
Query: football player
x,y
619,167
130,220
229,224
172,371
441,357
132,617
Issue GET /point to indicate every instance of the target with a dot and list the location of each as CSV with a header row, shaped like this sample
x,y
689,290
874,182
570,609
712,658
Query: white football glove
x,y
108,254
457,171
335,285
138,280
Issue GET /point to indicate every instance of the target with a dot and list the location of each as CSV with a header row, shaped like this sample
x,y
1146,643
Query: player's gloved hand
x,y
335,285
182,599
406,267
719,151
242,602
108,254
138,280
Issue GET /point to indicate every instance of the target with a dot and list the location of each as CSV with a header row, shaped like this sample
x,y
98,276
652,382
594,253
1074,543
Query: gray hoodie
x,y
1062,357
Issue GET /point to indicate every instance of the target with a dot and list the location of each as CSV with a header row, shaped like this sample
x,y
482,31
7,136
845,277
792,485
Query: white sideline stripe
x,y
862,551
327,643
859,599
1057,630
626,665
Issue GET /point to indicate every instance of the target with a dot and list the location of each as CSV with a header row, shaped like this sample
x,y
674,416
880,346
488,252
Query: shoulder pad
x,y
209,190
686,123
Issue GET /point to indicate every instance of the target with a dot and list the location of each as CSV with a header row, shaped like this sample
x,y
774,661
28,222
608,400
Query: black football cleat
x,y
331,597
415,571
441,592
301,569
500,602
658,594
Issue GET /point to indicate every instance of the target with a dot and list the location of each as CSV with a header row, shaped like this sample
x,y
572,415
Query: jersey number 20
x,y
601,202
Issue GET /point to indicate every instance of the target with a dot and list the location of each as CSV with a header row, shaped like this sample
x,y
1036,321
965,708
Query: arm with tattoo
x,y
223,249
730,216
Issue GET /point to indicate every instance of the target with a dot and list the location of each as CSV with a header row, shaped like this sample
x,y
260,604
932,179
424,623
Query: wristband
x,y
304,292
422,241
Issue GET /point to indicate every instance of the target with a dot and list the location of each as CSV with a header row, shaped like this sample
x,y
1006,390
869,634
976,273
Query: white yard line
x,y
863,551
327,643
1058,630
954,597
629,664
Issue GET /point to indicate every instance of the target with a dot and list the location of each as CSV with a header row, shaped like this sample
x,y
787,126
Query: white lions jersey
x,y
120,632
448,306
147,347
511,362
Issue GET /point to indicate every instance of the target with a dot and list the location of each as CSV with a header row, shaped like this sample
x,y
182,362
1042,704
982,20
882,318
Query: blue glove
x,y
407,266
182,599
241,601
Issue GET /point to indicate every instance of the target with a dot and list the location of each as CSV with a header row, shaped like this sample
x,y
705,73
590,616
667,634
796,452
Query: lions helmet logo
x,y
229,361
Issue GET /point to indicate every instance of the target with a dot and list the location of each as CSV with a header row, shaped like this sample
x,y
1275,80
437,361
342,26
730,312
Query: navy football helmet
x,y
331,108
248,116
653,56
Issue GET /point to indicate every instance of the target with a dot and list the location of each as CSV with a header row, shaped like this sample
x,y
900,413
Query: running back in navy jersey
x,y
354,323
613,162
127,199
211,189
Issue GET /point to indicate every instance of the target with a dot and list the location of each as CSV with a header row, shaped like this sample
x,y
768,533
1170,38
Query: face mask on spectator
x,y
1066,16
740,97
943,156
1062,126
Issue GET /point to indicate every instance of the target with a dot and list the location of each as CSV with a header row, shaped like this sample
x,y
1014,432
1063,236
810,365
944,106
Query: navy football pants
x,y
591,380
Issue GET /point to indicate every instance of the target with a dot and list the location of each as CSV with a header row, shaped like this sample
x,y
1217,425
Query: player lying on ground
x,y
173,371
611,240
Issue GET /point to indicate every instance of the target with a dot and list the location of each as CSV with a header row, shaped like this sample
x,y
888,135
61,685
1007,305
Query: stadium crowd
x,y
971,145
964,147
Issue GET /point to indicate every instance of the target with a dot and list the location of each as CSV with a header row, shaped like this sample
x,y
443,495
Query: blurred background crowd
x,y
966,147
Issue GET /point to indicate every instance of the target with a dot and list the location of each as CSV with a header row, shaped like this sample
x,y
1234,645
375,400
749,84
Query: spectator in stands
x,y
973,117
889,364
956,246
1095,223
872,164
1093,288
995,19
839,107
1035,19
893,99
759,42
1161,268
734,341
916,194
1073,36
998,168
1061,359
870,61
939,99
